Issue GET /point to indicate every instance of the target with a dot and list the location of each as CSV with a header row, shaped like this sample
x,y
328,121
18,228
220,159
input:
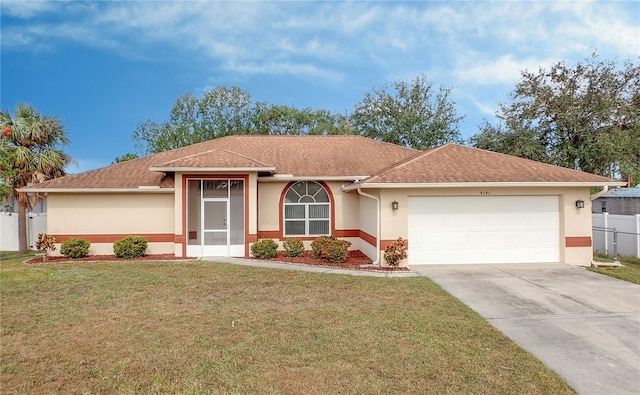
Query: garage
x,y
483,229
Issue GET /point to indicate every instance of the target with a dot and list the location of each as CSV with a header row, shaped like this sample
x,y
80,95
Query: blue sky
x,y
103,67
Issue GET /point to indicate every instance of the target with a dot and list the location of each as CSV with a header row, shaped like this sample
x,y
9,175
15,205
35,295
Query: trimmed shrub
x,y
130,247
396,252
265,249
75,248
293,247
330,248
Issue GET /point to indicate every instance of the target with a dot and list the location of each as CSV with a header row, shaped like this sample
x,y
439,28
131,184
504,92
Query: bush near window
x,y
396,252
330,248
75,248
130,247
293,247
264,249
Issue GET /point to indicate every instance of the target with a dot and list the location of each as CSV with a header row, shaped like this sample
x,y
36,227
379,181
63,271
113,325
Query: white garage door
x,y
483,229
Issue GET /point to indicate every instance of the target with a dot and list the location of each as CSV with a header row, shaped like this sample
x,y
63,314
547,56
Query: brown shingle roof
x,y
302,156
326,156
452,163
215,158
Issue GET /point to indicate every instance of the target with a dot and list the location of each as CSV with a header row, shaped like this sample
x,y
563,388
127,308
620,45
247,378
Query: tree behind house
x,y
411,113
585,117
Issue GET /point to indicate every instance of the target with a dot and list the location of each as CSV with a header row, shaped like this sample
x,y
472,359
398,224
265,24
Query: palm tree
x,y
33,140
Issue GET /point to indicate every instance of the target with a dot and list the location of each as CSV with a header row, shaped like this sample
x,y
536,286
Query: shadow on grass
x,y
8,255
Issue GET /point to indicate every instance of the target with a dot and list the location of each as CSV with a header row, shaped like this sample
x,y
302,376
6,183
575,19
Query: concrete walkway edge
x,y
309,268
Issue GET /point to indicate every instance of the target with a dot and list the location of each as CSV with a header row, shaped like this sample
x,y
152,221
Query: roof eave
x,y
140,189
479,184
290,177
212,169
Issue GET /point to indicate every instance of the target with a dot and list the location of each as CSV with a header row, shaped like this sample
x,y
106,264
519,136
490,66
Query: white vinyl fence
x,y
36,223
625,227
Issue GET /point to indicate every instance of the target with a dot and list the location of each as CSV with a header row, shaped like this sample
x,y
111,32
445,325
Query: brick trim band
x,y
578,241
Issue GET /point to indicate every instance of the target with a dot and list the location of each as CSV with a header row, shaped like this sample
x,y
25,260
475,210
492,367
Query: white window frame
x,y
306,205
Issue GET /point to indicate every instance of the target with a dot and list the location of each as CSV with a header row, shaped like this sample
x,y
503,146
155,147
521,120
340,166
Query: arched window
x,y
307,210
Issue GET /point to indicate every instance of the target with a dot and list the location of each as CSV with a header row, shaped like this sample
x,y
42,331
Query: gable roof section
x,y
298,156
215,159
452,164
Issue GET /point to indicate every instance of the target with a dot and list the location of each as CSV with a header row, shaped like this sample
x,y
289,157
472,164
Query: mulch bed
x,y
355,260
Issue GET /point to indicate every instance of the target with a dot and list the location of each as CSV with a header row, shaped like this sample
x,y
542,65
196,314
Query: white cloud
x,y
285,68
504,70
311,39
27,8
487,109
603,28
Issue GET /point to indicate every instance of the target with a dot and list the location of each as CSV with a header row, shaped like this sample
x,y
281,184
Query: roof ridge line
x,y
214,150
191,156
406,161
243,156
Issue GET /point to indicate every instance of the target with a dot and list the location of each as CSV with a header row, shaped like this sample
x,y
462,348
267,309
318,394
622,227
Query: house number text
x,y
485,193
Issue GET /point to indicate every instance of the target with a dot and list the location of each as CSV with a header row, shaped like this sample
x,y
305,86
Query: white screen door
x,y
215,229
215,217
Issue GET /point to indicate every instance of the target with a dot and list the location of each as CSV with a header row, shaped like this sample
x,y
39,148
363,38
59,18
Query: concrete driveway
x,y
583,325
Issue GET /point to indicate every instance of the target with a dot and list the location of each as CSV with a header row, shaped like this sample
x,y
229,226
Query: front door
x,y
215,228
215,217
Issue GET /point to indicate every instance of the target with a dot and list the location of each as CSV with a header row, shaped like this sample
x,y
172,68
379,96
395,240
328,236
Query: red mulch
x,y
355,260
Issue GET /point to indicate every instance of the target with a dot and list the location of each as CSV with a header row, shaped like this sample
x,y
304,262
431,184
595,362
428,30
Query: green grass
x,y
12,255
629,271
198,328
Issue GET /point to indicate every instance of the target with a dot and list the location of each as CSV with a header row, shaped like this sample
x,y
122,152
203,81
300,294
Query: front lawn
x,y
198,327
629,271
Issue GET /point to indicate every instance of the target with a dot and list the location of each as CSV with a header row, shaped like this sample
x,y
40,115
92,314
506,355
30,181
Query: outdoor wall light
x,y
394,205
580,203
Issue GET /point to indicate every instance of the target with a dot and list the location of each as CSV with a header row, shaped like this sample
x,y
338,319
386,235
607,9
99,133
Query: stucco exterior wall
x,y
113,216
347,211
575,224
177,207
253,204
368,208
110,213
268,201
177,215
